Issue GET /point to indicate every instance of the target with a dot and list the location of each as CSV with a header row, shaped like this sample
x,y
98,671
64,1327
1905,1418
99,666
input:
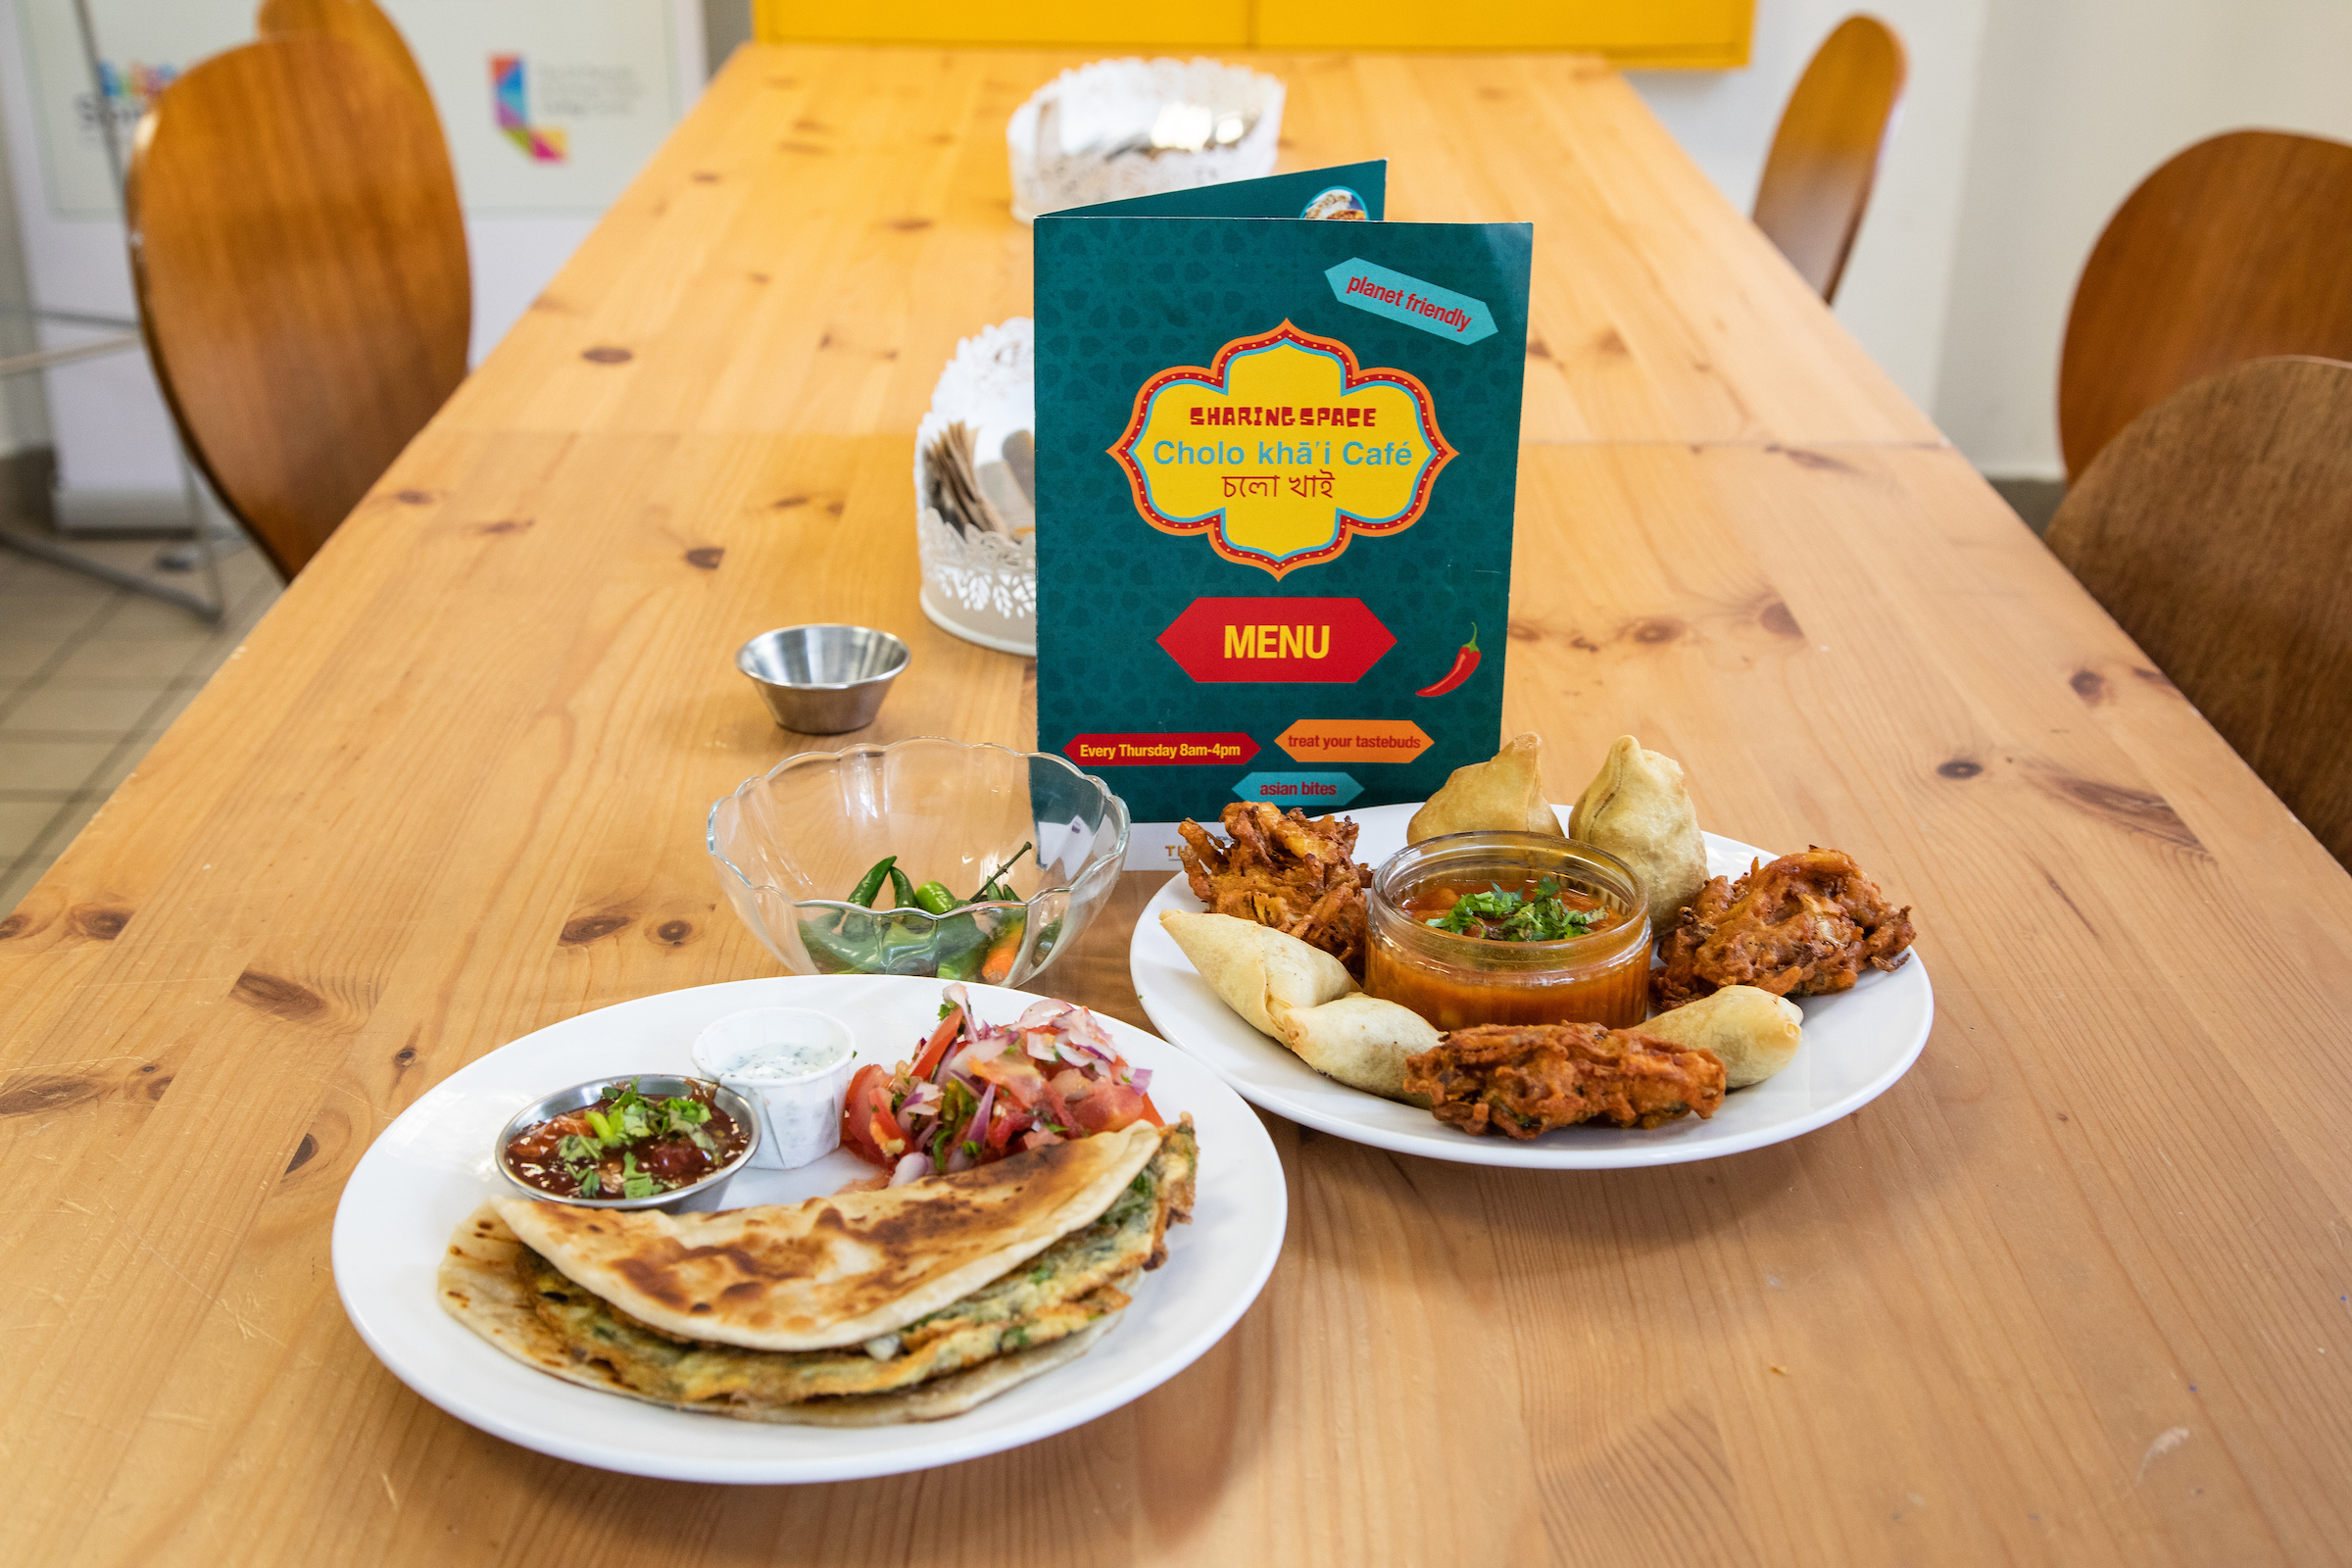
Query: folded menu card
x,y
1276,460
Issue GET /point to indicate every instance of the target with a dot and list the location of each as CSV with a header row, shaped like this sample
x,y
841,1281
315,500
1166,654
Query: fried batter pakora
x,y
1801,926
1289,871
1526,1079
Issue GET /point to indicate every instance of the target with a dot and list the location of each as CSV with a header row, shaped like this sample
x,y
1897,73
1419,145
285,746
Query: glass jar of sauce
x,y
1455,980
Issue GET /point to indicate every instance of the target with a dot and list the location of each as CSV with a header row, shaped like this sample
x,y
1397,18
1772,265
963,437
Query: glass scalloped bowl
x,y
792,843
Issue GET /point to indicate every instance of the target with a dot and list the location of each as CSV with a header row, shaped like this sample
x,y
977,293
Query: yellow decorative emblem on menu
x,y
1282,450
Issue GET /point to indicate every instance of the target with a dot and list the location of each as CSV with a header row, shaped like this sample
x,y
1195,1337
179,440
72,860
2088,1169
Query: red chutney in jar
x,y
1456,979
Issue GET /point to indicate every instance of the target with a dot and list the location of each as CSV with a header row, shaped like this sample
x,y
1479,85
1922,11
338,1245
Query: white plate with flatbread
x,y
431,1168
1857,1044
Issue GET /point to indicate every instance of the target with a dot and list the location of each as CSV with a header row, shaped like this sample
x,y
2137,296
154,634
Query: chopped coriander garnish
x,y
635,1183
1536,916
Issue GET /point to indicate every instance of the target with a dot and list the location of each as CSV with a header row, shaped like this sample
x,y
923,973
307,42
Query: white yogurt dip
x,y
786,1058
795,1066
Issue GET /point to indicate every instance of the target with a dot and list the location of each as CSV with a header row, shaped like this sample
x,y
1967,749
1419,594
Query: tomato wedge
x,y
1003,1129
1108,1107
950,1030
866,1104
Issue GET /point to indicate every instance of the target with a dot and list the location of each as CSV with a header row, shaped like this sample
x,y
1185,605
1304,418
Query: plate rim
x,y
1444,1143
1201,1337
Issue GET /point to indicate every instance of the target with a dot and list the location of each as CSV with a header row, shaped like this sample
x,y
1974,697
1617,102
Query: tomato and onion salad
x,y
628,1144
975,1092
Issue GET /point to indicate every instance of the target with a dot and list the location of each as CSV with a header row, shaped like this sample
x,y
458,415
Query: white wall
x,y
2077,102
23,403
2025,126
1894,295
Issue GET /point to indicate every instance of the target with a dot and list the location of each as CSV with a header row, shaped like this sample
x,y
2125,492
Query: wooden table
x,y
2075,1290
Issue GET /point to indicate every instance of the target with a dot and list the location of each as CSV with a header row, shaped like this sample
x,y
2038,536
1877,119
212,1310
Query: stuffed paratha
x,y
839,1270
1036,1315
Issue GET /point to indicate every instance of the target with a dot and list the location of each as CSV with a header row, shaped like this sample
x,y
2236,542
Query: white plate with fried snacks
x,y
1855,1044
431,1167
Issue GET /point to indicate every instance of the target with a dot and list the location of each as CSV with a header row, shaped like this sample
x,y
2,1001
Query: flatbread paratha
x,y
832,1271
480,1289
1040,1311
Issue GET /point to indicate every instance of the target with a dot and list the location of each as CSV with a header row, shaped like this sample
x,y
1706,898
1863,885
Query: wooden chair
x,y
2217,530
1824,156
355,21
301,270
2232,250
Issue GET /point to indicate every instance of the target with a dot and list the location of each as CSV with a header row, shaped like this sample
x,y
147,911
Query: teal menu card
x,y
1276,465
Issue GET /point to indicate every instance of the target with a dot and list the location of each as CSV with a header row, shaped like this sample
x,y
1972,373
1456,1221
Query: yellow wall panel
x,y
1709,34
1701,34
1217,24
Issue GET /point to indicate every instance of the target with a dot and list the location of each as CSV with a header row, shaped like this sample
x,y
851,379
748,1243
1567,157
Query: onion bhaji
x,y
1526,1079
1801,926
1289,871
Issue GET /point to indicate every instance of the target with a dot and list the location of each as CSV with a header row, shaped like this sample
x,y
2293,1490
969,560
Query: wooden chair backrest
x,y
302,280
2233,249
358,22
1824,156
2217,530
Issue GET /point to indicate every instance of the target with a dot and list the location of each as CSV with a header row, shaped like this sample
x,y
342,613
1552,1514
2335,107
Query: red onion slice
x,y
1041,1012
1088,1029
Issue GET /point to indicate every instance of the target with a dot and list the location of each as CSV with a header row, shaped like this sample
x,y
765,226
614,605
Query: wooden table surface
x,y
2075,1290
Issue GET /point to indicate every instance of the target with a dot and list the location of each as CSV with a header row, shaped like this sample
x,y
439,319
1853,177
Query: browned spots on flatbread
x,y
662,1269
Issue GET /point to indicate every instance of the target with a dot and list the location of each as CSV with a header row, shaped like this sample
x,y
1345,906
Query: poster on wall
x,y
550,108
549,105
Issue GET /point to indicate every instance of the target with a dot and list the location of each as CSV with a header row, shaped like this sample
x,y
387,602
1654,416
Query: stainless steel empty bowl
x,y
823,680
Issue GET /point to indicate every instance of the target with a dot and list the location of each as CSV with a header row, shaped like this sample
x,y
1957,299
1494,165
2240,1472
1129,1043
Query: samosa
x,y
1359,1041
1254,968
1504,794
1752,1032
1638,810
1300,996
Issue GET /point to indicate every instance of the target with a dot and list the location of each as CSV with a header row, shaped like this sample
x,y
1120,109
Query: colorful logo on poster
x,y
510,99
1282,451
129,91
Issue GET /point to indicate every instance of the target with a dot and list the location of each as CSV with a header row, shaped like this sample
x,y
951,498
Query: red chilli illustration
x,y
1465,663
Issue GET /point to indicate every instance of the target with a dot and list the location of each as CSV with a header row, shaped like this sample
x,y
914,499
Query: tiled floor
x,y
90,674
